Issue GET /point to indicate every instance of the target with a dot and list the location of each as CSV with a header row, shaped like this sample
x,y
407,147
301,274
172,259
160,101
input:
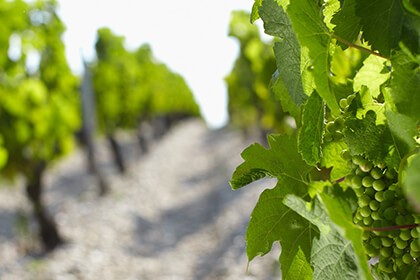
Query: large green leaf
x,y
280,160
382,22
333,255
300,268
313,35
331,158
282,94
340,207
404,131
272,221
287,51
347,24
371,75
364,136
405,84
412,181
310,134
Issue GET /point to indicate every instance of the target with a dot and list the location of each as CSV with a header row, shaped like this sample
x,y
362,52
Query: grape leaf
x,y
254,13
347,24
280,160
340,206
331,158
277,23
312,34
282,94
332,255
404,131
310,134
329,9
300,268
412,181
371,75
382,22
375,141
272,221
405,82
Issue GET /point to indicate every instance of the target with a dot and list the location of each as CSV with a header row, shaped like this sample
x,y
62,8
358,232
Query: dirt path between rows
x,y
172,216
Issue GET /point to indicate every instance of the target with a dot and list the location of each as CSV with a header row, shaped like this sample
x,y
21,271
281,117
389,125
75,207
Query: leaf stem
x,y
350,44
390,228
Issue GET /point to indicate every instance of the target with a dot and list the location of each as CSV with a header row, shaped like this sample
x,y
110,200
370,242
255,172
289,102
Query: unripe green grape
x,y
385,266
399,262
415,254
365,211
370,192
398,251
390,174
366,166
370,250
415,246
390,214
358,216
379,196
389,195
365,235
378,185
359,172
376,173
376,242
387,242
374,205
345,154
375,215
400,244
385,252
364,200
357,159
356,182
414,233
400,220
359,192
405,235
367,221
367,181
407,259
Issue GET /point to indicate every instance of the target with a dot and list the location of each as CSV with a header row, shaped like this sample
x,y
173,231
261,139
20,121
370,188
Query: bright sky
x,y
189,36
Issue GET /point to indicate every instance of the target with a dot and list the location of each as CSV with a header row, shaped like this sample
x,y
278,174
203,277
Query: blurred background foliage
x,y
252,105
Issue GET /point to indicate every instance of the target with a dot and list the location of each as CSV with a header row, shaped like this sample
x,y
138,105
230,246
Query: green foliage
x,y
355,164
131,86
39,109
251,102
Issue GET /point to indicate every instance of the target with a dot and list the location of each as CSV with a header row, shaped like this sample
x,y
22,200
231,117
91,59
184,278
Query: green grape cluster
x,y
391,234
333,130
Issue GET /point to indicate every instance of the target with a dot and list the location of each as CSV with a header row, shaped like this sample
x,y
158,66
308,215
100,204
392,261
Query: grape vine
x,y
346,203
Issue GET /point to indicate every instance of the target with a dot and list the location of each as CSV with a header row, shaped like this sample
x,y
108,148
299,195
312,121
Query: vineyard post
x,y
88,127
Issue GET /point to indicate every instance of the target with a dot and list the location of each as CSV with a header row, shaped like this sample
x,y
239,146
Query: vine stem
x,y
350,44
390,228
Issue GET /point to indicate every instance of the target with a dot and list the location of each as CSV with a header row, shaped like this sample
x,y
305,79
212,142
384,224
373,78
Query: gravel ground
x,y
172,216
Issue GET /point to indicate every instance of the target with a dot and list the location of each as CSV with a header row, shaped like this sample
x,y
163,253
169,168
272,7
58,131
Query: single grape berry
x,y
378,185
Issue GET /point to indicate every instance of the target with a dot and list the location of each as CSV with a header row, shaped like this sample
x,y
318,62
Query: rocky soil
x,y
172,216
